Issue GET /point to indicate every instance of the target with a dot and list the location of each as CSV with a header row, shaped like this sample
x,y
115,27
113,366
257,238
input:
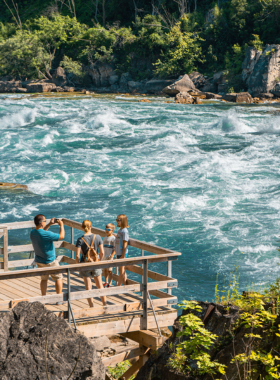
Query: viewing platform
x,y
132,310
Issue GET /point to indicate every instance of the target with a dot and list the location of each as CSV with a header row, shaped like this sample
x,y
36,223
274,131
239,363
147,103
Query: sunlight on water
x,y
202,180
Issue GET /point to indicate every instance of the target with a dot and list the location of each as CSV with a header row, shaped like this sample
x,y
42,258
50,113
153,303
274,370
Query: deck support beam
x,y
5,249
145,295
146,338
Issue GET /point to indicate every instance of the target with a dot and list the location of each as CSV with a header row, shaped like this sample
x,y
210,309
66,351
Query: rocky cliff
x,y
33,340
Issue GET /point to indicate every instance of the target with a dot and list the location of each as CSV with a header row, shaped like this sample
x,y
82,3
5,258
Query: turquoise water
x,y
202,180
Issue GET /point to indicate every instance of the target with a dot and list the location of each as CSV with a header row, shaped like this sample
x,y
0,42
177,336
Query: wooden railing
x,y
154,288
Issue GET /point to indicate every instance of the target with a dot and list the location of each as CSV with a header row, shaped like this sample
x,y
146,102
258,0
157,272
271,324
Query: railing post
x,y
169,274
142,265
5,249
145,295
72,242
69,295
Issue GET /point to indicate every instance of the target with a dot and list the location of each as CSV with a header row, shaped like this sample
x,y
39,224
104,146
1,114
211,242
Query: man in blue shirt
x,y
45,256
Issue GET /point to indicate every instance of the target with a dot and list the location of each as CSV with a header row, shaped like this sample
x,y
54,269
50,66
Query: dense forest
x,y
147,38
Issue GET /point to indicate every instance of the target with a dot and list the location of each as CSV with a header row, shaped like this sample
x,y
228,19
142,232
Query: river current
x,y
203,180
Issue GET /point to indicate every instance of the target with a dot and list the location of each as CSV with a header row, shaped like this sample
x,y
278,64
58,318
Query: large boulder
x,y
198,79
183,84
40,87
59,77
184,98
155,86
100,73
135,86
113,79
24,332
265,70
276,90
241,97
10,86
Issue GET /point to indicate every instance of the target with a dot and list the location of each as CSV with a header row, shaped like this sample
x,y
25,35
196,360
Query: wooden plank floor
x,y
94,325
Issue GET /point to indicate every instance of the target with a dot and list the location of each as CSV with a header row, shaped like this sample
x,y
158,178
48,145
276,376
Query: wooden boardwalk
x,y
132,310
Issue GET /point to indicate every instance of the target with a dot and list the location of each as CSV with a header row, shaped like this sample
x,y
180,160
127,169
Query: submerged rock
x,y
12,186
241,97
23,335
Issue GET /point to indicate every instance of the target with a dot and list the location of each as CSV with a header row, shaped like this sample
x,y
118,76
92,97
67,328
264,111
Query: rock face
x,y
12,186
241,97
261,71
100,73
23,333
59,77
220,320
183,84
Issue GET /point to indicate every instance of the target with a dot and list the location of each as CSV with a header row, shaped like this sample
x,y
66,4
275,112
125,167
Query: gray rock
x,y
59,77
125,78
21,90
134,86
241,97
251,58
101,343
10,86
40,87
276,89
69,89
223,87
183,84
155,86
266,70
184,98
209,87
267,95
113,79
198,79
23,333
100,73
219,78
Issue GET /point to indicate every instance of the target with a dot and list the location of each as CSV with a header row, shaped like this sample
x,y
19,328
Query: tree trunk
x,y
103,10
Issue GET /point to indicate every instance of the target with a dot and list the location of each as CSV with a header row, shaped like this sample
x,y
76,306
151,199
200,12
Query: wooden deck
x,y
132,310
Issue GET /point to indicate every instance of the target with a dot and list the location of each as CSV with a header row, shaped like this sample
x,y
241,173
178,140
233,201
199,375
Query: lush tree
x,y
182,52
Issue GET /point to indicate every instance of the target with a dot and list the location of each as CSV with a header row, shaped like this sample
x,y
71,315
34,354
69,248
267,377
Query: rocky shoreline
x,y
260,77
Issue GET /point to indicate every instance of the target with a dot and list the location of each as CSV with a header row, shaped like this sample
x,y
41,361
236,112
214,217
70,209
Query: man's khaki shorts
x,y
55,277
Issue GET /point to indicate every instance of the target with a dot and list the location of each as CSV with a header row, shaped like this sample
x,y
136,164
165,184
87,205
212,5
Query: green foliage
x,y
120,369
72,67
182,53
194,345
22,54
256,42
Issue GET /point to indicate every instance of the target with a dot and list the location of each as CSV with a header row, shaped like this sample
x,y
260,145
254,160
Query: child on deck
x,y
109,252
122,245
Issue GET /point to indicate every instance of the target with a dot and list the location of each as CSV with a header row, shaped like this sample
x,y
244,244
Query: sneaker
x,y
105,285
108,286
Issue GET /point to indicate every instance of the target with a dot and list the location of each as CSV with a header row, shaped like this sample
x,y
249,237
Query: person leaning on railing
x,y
45,256
84,245
122,245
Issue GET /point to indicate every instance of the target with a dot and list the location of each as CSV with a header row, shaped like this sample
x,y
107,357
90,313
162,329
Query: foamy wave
x,y
19,119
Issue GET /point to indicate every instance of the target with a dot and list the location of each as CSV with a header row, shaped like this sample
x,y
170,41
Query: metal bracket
x,y
172,301
172,284
172,258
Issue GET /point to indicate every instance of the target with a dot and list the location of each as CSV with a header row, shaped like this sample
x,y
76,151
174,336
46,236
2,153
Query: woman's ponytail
x,y
86,225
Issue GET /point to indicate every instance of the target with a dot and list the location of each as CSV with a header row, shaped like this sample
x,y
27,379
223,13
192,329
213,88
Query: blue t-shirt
x,y
121,236
43,245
